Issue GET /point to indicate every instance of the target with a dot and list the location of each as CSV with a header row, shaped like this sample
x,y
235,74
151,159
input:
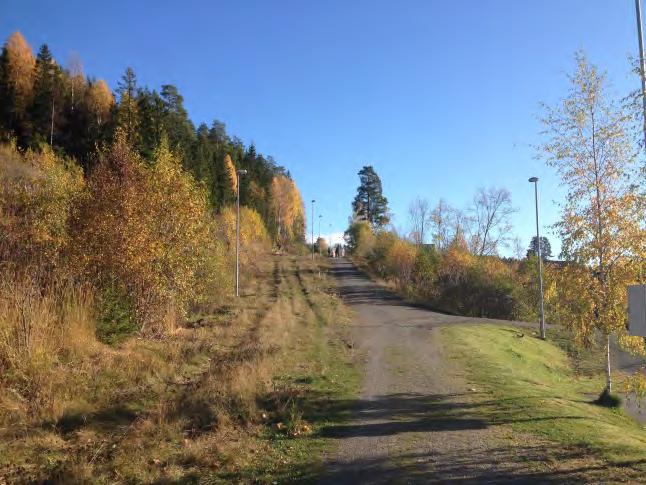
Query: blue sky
x,y
440,96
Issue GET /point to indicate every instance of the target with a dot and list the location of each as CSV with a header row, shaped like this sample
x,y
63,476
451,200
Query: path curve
x,y
417,419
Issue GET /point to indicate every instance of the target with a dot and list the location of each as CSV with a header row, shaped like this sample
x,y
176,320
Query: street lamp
x,y
534,180
52,72
642,62
238,174
313,229
319,238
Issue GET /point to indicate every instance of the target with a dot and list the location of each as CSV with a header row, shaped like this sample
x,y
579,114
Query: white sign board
x,y
637,310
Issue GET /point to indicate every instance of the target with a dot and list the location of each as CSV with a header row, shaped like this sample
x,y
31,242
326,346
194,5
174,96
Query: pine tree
x,y
545,246
370,204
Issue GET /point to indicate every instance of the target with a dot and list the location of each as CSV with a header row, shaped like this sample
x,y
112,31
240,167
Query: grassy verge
x,y
535,388
235,394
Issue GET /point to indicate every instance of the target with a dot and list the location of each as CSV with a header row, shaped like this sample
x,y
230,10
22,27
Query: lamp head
x,y
241,172
533,179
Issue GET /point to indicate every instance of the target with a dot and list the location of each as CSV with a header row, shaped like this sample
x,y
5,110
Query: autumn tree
x,y
443,220
76,80
99,101
287,209
490,215
419,214
602,225
127,112
370,204
17,82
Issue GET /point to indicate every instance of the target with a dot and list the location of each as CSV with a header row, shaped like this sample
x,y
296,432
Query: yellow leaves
x,y
37,193
20,68
99,101
287,208
149,228
230,170
253,234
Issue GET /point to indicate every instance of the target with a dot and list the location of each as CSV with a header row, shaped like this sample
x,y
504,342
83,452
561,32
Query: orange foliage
x,y
230,169
99,101
253,234
37,190
20,69
148,231
287,208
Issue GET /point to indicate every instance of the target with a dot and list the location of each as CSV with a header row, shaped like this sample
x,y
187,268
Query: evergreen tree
x,y
546,247
180,130
46,112
370,204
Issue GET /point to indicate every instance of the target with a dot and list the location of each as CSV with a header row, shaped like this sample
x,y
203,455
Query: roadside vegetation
x,y
533,385
592,140
124,356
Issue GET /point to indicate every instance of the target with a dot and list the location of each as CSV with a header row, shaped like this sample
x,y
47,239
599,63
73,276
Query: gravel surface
x,y
417,419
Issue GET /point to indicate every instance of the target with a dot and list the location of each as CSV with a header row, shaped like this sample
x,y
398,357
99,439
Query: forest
x,y
117,219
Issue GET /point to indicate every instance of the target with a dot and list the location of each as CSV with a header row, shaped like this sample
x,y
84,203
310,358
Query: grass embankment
x,y
233,395
534,387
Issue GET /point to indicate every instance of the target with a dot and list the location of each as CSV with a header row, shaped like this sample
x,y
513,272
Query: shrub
x,y
360,239
148,228
37,192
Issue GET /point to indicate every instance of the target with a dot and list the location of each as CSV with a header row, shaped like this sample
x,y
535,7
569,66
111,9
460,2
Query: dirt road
x,y
418,419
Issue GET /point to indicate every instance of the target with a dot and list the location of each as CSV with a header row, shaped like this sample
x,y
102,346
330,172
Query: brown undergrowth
x,y
203,403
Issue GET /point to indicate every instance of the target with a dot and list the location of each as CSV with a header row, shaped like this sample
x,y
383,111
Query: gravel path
x,y
418,419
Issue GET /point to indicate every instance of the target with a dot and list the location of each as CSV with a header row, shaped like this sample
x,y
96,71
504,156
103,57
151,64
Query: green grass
x,y
534,387
314,382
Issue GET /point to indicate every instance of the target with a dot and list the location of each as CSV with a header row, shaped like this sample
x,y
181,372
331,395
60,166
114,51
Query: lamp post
x,y
534,180
642,62
319,238
238,174
52,72
313,229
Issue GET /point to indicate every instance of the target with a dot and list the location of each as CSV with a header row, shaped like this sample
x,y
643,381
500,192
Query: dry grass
x,y
196,404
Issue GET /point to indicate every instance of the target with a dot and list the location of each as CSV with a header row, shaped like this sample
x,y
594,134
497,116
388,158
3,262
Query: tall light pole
x,y
319,238
52,72
642,62
313,229
238,174
534,180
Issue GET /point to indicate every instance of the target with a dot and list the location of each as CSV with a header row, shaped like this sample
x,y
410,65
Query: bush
x,y
37,193
149,229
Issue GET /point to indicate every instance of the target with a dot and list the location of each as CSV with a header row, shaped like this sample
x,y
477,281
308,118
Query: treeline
x,y
44,103
450,278
117,218
592,139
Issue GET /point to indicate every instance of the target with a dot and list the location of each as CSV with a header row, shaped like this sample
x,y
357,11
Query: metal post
x,y
540,259
642,62
51,132
238,173
313,229
319,238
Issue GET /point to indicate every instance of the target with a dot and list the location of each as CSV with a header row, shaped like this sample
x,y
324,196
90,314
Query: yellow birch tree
x,y
602,220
